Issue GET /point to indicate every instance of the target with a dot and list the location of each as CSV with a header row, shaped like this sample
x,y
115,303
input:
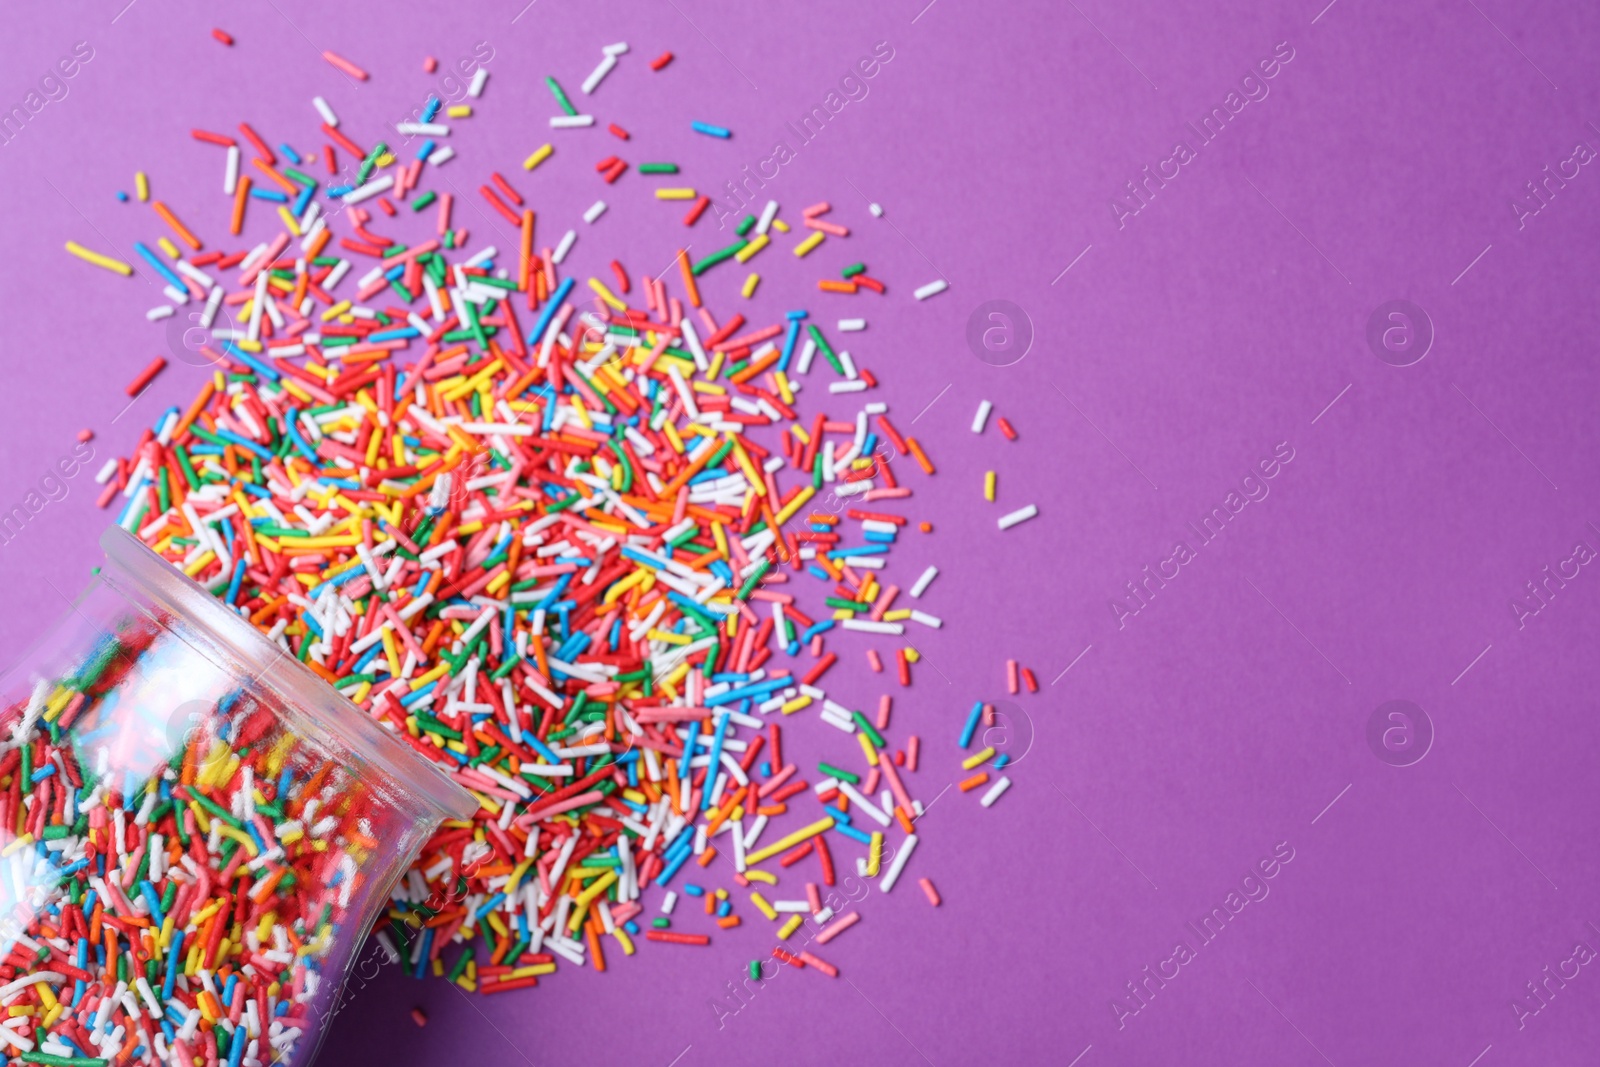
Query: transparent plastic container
x,y
196,832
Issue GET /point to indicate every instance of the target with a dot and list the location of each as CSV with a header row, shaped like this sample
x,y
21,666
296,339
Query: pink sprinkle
x,y
822,965
345,65
835,928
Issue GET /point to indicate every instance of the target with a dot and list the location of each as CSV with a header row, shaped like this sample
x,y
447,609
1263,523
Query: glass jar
x,y
196,832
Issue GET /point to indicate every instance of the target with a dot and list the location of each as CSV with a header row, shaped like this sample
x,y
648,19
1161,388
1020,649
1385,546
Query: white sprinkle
x,y
564,247
595,211
592,82
422,129
852,325
898,864
982,417
325,111
995,790
569,122
230,178
369,190
876,209
931,621
931,289
479,77
926,580
848,387
441,156
870,627
768,213
620,48
156,314
1020,515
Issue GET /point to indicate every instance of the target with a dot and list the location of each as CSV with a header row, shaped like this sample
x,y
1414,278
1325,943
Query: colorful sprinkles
x,y
577,539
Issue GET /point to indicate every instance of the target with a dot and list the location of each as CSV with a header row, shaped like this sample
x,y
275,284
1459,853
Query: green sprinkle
x,y
839,773
867,728
560,95
718,256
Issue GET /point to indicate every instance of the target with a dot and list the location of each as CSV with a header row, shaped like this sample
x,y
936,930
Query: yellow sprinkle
x,y
809,243
976,758
98,260
537,158
867,750
780,225
875,854
141,185
790,927
745,254
784,844
460,111
675,194
761,903
169,248
432,676
761,876
750,284
988,486
581,906
606,294
200,564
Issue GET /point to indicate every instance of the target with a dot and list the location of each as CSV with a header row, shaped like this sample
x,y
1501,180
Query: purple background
x,y
1225,318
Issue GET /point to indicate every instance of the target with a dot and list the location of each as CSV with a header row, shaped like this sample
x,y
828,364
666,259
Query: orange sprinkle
x,y
919,455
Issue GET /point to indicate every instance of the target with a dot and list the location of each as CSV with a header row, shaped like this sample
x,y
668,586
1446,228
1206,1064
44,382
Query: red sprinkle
x,y
660,61
676,938
225,38
146,376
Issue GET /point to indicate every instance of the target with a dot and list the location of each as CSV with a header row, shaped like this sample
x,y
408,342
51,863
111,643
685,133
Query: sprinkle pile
x,y
570,537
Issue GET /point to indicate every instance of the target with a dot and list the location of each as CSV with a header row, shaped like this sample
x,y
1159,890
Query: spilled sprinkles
x,y
568,536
